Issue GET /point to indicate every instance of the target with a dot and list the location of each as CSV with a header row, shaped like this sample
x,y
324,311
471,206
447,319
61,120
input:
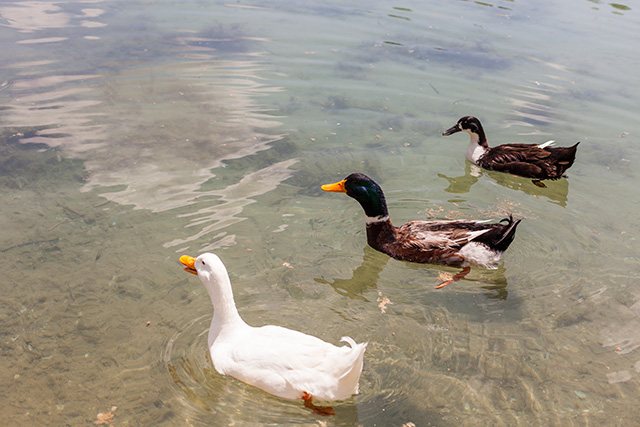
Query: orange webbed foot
x,y
455,278
319,410
443,284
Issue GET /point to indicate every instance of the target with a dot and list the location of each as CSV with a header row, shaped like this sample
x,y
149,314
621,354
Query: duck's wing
x,y
274,348
295,350
518,159
282,361
440,235
510,153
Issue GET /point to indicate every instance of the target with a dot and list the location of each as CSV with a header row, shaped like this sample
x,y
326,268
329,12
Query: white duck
x,y
280,361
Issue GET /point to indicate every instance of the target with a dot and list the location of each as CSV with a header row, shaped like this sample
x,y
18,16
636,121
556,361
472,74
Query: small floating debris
x,y
106,417
382,302
581,394
444,276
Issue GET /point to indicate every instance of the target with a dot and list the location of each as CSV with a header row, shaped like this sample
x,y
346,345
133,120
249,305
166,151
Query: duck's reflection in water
x,y
556,191
365,278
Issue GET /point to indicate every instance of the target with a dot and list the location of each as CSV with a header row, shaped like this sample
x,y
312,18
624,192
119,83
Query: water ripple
x,y
213,398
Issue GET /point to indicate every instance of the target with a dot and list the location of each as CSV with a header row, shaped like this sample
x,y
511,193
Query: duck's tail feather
x,y
357,351
499,236
508,233
358,348
565,156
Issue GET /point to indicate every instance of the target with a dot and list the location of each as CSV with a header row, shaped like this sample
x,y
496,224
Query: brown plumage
x,y
535,161
440,242
454,243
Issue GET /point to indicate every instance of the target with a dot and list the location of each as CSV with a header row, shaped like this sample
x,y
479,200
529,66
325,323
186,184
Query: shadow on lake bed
x,y
556,191
366,276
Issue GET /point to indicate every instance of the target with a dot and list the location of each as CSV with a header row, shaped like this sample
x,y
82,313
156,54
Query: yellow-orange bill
x,y
337,187
188,262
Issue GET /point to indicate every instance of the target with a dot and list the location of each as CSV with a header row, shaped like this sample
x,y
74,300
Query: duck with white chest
x,y
534,161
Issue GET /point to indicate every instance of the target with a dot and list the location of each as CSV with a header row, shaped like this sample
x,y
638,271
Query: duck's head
x,y
213,275
365,191
202,266
468,124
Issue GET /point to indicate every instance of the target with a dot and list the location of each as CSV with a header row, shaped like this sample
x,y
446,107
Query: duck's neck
x,y
225,313
379,228
477,147
380,232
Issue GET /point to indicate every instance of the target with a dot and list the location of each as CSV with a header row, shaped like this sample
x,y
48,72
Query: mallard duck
x,y
280,361
534,161
459,243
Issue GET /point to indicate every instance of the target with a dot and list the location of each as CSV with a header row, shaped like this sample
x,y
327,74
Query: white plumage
x,y
550,143
280,361
482,255
474,150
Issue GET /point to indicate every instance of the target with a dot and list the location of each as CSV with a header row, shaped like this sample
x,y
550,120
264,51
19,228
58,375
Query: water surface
x,y
133,132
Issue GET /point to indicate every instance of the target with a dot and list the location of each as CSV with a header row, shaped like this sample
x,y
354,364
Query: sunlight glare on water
x,y
134,132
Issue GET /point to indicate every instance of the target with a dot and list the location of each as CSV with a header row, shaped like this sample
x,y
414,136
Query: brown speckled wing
x,y
510,153
435,235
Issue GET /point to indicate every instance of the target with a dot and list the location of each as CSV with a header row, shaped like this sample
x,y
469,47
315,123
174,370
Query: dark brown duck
x,y
534,161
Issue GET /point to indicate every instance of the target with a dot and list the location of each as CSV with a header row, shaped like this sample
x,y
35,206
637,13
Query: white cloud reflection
x,y
151,136
32,16
231,202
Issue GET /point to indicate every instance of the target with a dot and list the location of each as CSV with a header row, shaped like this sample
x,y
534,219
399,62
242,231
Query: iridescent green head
x,y
365,191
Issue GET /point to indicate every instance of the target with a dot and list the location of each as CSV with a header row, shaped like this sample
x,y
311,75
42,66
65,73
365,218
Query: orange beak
x,y
188,262
337,187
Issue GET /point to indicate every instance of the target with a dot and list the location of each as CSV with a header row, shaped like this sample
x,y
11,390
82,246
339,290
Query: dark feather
x,y
438,242
452,236
529,161
433,242
526,160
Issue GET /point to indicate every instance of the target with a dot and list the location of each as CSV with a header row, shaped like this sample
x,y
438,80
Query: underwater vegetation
x,y
34,165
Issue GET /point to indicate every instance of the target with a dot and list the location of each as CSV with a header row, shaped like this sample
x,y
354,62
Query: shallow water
x,y
133,132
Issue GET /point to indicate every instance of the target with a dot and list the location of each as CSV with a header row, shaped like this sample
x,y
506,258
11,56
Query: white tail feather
x,y
547,144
